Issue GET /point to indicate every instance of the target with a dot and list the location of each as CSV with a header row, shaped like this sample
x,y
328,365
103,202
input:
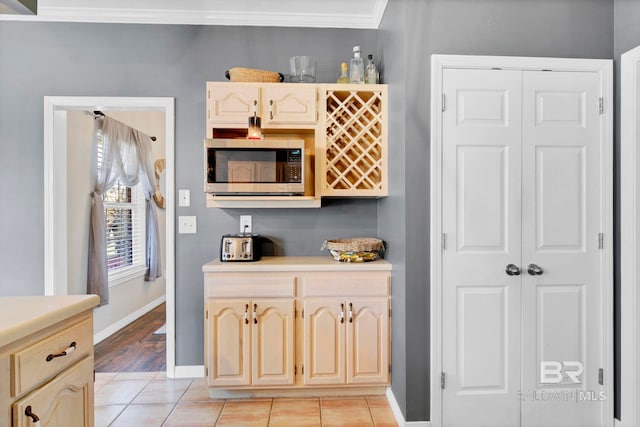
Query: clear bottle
x,y
356,72
371,73
344,77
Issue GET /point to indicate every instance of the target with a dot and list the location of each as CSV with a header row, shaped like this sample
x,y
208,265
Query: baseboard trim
x,y
115,327
617,423
397,413
194,371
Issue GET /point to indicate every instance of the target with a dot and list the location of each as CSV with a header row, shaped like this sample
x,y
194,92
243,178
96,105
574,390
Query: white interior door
x,y
522,193
481,221
562,343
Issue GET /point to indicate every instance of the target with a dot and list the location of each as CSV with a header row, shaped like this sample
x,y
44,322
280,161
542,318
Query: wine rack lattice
x,y
354,151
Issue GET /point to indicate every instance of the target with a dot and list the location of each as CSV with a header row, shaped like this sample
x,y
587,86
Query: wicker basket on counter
x,y
357,249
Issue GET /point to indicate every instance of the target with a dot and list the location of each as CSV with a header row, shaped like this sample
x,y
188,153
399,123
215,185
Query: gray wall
x,y
562,28
61,59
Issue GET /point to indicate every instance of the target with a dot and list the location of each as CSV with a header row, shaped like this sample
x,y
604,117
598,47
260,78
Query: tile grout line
x,y
175,404
220,413
132,399
373,420
270,411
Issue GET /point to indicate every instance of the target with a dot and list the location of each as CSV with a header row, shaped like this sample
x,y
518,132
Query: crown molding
x,y
207,17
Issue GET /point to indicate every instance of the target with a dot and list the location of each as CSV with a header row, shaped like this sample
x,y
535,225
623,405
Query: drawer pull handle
x,y
271,109
341,313
69,350
246,314
350,312
35,420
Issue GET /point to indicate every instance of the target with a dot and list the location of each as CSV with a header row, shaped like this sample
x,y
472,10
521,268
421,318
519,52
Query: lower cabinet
x,y
67,401
252,341
306,329
346,341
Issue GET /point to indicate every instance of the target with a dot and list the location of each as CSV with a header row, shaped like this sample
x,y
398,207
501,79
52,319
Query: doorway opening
x,y
67,186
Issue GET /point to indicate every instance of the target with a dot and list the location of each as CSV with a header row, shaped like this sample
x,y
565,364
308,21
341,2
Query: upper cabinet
x,y
344,127
353,157
229,105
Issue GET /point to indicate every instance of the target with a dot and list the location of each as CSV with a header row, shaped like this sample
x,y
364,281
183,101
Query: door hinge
x,y
601,376
389,312
302,370
444,241
601,105
295,369
600,240
206,314
389,368
442,380
302,313
295,313
206,371
444,102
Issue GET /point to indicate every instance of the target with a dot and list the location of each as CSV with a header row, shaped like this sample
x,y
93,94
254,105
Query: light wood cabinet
x,y
249,341
67,401
346,341
352,161
344,127
296,329
46,361
229,105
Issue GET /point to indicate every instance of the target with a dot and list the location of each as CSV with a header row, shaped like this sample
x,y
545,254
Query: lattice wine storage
x,y
356,146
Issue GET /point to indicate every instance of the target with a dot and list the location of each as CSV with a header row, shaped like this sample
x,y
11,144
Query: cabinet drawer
x,y
345,284
30,365
249,285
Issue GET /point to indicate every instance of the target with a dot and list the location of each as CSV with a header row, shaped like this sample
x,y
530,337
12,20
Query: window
x,y
124,209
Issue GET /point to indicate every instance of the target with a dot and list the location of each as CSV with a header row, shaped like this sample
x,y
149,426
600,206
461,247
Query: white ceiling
x,y
273,13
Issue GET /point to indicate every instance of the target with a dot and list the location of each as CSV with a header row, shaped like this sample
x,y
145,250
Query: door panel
x,y
481,219
482,357
324,337
481,214
367,341
273,342
560,198
561,215
230,347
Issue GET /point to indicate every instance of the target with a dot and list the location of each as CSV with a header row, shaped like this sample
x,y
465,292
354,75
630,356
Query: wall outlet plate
x,y
245,224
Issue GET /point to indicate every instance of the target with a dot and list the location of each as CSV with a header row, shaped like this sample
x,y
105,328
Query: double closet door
x,y
522,264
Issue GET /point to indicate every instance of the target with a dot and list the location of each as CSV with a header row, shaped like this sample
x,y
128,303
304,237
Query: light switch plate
x,y
187,225
184,197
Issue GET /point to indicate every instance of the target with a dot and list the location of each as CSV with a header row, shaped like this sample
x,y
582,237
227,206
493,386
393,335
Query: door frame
x,y
440,62
629,238
55,214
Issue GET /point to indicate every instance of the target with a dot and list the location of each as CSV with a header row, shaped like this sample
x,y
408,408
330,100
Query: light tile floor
x,y
149,399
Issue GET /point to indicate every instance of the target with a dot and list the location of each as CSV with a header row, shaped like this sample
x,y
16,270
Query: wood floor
x,y
135,348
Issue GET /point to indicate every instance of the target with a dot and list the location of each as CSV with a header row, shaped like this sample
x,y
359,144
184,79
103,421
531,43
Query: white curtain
x,y
126,156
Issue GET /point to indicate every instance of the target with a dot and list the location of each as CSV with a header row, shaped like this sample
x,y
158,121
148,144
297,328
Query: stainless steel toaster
x,y
240,247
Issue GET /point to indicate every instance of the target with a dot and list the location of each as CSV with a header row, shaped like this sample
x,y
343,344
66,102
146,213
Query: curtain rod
x,y
97,113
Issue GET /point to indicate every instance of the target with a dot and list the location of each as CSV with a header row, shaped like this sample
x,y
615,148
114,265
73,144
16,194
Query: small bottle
x,y
344,77
356,74
371,74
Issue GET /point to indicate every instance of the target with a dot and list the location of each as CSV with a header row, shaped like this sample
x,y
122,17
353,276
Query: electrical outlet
x,y
245,224
187,225
184,198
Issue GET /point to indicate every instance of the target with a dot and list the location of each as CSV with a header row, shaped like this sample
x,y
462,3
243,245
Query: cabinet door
x,y
228,355
272,341
368,341
324,335
289,104
66,401
230,105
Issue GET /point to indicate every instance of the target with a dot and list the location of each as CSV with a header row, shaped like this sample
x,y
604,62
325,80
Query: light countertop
x,y
295,263
22,316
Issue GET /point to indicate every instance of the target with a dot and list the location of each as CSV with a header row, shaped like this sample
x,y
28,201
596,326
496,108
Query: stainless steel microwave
x,y
254,167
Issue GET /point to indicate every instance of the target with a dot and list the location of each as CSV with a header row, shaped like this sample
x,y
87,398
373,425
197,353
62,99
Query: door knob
x,y
512,270
534,270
